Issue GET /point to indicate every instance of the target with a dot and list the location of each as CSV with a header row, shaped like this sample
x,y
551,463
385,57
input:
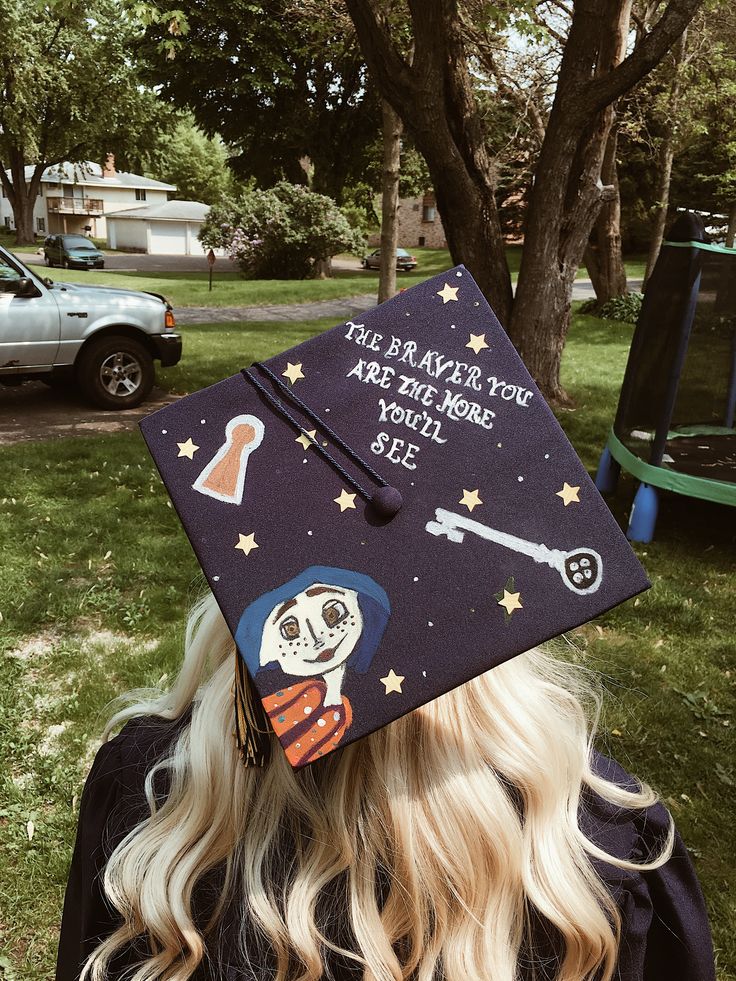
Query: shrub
x,y
283,232
625,308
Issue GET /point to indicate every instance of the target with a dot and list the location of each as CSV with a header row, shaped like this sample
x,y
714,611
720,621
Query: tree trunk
x,y
392,129
665,159
603,257
731,232
21,196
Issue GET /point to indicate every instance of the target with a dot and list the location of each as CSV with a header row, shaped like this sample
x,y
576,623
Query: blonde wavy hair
x,y
467,808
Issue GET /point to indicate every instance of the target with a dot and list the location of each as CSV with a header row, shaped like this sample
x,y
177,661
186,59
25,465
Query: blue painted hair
x,y
372,599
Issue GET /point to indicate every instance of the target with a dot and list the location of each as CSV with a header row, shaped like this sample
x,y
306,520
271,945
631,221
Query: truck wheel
x,y
115,372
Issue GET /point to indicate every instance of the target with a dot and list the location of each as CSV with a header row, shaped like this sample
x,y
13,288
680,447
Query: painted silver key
x,y
581,569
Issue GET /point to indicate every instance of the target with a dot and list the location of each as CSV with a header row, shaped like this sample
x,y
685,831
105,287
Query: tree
x,y
284,84
283,232
196,163
435,98
392,128
54,104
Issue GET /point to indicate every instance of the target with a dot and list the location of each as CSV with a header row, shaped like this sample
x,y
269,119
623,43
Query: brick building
x,y
419,223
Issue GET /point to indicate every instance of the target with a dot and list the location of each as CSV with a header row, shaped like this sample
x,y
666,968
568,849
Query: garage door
x,y
169,237
196,247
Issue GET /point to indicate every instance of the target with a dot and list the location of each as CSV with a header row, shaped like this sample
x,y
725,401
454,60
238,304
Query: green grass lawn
x,y
98,575
191,289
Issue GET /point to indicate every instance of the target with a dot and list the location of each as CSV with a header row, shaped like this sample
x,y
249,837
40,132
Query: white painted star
x,y
471,499
477,342
510,601
569,494
393,682
345,500
448,293
246,543
293,372
307,438
187,448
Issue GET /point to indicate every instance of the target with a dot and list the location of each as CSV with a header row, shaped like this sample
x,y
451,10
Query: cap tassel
x,y
252,728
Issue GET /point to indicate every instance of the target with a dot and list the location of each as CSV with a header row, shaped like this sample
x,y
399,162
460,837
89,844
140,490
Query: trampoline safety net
x,y
678,399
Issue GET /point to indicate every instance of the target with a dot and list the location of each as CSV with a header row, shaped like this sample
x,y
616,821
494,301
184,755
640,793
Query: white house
x,y
78,197
160,229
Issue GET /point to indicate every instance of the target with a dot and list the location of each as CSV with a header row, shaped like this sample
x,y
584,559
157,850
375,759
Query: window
x,y
429,212
140,194
40,224
422,240
6,221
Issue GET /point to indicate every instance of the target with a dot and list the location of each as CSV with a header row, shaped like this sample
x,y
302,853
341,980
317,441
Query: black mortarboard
x,y
386,511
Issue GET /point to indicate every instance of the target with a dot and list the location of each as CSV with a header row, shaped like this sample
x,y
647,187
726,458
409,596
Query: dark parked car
x,y
72,252
404,261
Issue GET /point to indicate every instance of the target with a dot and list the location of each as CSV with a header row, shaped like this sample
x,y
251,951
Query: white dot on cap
x,y
546,456
424,674
452,326
310,533
407,314
202,421
458,274
429,623
307,709
520,478
499,445
416,578
304,460
164,431
215,578
476,304
321,722
327,410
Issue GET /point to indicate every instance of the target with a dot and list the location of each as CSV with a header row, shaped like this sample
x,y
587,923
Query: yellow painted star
x,y
187,449
471,499
393,682
246,543
569,494
448,293
345,500
293,372
477,342
510,601
307,438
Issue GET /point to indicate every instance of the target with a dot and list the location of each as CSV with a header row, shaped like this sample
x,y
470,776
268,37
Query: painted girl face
x,y
314,632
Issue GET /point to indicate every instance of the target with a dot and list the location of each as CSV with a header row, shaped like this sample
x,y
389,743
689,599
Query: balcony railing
x,y
75,206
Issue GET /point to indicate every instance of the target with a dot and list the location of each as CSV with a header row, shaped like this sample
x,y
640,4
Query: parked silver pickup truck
x,y
106,339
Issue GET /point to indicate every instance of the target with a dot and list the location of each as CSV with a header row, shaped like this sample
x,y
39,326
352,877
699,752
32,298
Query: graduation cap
x,y
384,512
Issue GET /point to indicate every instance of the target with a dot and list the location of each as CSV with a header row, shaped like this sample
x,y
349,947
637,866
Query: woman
x,y
479,837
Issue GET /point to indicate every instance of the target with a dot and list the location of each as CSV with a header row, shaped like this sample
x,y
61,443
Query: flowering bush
x,y
279,233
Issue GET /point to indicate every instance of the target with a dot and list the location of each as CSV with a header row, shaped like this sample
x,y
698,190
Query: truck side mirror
x,y
26,287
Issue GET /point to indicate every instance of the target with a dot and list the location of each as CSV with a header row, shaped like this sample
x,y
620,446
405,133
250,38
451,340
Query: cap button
x,y
387,501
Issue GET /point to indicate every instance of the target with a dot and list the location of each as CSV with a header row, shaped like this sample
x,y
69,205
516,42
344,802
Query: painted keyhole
x,y
224,476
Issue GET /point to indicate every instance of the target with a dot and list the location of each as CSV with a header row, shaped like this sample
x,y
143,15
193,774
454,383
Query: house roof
x,y
89,173
170,211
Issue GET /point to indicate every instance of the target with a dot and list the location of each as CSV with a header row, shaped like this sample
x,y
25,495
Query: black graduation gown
x,y
665,926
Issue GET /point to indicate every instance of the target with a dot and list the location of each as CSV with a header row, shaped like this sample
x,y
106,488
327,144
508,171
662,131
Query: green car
x,y
72,252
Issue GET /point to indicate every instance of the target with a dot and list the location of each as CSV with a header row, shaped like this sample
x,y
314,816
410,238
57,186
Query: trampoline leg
x,y
643,516
607,476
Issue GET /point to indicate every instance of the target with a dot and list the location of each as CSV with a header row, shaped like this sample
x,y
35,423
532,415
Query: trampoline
x,y
674,426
